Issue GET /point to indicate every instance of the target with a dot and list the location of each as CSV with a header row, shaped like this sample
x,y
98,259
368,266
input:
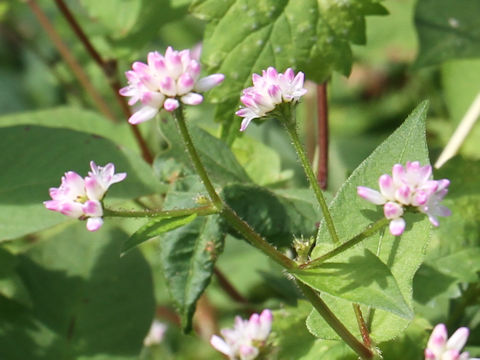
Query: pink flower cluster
x,y
412,186
440,347
165,80
81,198
246,339
268,91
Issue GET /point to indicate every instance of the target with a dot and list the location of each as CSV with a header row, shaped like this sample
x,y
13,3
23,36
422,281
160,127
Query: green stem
x,y
290,125
322,308
369,231
178,114
233,219
255,239
200,211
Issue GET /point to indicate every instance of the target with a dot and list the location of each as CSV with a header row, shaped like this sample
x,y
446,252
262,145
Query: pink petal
x,y
397,226
392,210
458,340
192,99
370,195
219,344
144,114
94,223
209,82
171,104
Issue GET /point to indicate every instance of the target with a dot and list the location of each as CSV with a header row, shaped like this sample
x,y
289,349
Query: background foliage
x,y
67,294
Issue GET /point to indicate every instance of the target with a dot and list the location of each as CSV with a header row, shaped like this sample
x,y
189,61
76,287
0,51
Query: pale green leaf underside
x,y
402,255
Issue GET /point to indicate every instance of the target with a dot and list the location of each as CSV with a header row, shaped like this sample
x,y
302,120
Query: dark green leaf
x,y
278,216
447,30
154,228
11,285
87,301
29,171
244,37
188,256
217,158
403,255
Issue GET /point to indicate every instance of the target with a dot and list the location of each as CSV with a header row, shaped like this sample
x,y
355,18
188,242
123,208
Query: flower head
x,y
269,90
81,198
165,81
409,186
440,347
248,337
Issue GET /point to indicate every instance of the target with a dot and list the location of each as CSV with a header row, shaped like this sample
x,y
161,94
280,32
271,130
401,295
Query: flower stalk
x,y
363,351
150,213
290,125
369,231
229,214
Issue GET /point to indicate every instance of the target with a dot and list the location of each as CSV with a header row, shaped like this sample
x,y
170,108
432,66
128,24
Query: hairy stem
x,y
362,326
229,214
201,211
363,351
369,231
291,128
197,163
109,68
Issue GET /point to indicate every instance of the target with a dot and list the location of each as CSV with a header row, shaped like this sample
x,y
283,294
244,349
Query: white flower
x,y
81,198
440,347
269,90
164,81
246,339
411,185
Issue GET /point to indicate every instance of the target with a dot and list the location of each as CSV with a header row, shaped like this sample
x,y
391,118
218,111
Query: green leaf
x,y
243,37
11,285
289,332
117,16
188,255
463,265
447,30
351,214
29,171
460,230
360,277
217,158
87,301
278,216
154,228
261,162
74,119
412,342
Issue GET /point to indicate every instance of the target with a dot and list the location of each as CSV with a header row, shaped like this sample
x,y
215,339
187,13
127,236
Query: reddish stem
x,y
227,286
70,59
322,111
109,68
